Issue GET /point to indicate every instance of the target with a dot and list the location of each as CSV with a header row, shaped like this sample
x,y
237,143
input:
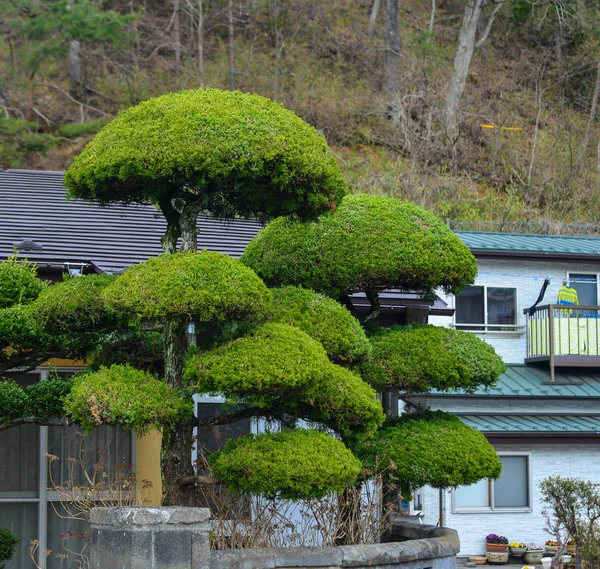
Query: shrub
x,y
367,243
292,464
432,448
47,398
420,358
18,283
121,395
74,305
82,129
13,400
206,287
8,546
244,154
324,319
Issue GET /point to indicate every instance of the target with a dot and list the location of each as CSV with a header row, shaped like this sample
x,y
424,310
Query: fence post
x,y
150,538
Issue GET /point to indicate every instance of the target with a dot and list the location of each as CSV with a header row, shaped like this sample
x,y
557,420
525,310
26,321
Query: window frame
x,y
484,327
595,274
492,509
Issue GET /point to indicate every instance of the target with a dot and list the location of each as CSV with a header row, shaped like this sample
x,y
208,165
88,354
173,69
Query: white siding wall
x,y
528,276
574,460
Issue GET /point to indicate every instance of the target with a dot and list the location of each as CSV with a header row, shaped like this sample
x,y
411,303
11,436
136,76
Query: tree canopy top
x,y
367,243
230,152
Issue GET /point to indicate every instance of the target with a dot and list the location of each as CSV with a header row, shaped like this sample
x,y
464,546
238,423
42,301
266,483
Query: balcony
x,y
564,336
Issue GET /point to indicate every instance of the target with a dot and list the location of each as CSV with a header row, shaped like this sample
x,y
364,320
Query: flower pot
x,y
497,557
518,551
498,547
571,548
533,556
551,548
546,562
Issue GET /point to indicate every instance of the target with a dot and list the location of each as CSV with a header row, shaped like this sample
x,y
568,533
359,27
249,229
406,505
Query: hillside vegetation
x,y
523,144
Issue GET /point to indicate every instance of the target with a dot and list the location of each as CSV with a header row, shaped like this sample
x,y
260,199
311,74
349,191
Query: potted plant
x,y
517,548
533,554
551,546
497,543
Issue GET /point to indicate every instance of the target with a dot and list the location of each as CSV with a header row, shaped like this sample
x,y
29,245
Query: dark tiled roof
x,y
33,207
537,245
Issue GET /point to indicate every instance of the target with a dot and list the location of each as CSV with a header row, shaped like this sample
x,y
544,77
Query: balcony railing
x,y
564,335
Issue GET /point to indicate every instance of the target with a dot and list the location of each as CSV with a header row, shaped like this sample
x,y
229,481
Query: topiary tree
x,y
369,244
227,153
430,449
8,546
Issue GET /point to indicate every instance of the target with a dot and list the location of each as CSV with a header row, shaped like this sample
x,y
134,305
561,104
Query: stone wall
x,y
177,538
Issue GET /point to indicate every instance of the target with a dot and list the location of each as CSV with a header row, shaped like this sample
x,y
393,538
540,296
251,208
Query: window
x,y
586,286
486,308
510,492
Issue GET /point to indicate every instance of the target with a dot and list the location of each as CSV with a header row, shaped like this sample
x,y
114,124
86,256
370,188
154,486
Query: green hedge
x,y
421,358
368,242
324,319
74,305
18,283
434,449
242,154
298,464
124,396
205,287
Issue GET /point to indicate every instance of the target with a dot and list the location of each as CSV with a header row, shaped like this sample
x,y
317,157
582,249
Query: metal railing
x,y
564,335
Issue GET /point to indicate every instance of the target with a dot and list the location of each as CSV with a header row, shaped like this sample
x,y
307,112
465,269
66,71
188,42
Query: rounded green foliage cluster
x,y
8,545
421,358
367,243
121,395
298,464
13,400
74,305
41,400
283,371
242,154
205,286
275,361
434,449
324,319
18,283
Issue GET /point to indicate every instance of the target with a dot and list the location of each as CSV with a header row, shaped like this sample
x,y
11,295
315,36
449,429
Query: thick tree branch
x,y
488,27
47,422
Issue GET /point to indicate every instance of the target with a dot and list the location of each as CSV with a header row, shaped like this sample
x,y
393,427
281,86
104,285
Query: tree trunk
x,y
201,40
462,61
373,17
75,71
177,37
231,46
393,45
592,118
177,442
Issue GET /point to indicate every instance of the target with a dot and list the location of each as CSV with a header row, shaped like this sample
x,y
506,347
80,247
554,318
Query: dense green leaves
x,y
232,152
324,319
18,283
282,371
124,396
434,449
74,305
367,243
421,358
298,464
206,287
41,400
8,545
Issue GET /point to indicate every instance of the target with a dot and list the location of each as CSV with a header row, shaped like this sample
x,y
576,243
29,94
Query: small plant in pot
x,y
551,546
495,542
8,545
533,554
517,548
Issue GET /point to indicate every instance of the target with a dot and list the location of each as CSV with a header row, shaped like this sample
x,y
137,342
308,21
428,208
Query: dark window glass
x,y
22,520
501,305
469,308
586,287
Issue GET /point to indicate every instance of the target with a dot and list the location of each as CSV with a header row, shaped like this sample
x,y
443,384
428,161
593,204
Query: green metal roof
x,y
533,423
529,381
546,245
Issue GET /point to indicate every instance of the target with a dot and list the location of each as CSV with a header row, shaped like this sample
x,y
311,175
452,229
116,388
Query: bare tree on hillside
x,y
467,41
